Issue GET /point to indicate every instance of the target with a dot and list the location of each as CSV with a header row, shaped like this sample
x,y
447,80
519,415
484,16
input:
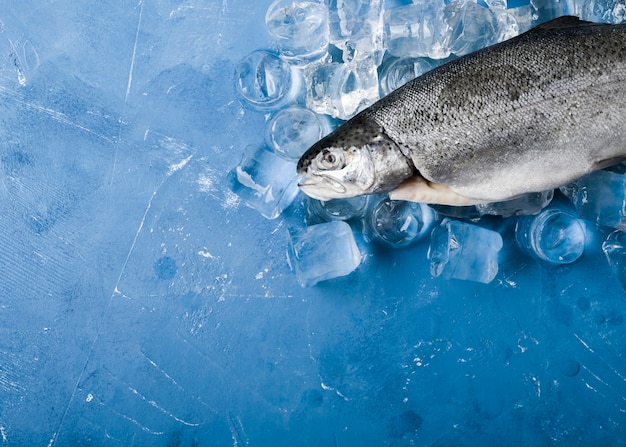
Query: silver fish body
x,y
526,115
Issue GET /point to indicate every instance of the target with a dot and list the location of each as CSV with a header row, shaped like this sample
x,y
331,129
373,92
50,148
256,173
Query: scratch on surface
x,y
132,60
595,376
170,378
128,418
236,430
128,86
152,403
175,383
115,293
54,114
617,373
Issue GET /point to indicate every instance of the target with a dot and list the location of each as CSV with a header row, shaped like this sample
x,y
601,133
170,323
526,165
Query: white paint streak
x,y
206,254
178,166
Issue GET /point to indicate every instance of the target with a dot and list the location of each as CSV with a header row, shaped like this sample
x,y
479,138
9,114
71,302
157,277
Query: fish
x,y
525,115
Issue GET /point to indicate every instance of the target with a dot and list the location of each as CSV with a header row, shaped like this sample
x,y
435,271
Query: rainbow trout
x,y
525,115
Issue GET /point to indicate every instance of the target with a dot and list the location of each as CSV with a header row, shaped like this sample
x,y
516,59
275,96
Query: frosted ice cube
x,y
471,26
341,90
293,130
317,211
264,181
460,250
554,236
600,197
614,247
320,252
416,30
396,222
530,203
394,72
300,29
265,80
356,28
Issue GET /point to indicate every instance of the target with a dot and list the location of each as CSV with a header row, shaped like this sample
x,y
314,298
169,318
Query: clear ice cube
x,y
317,211
471,27
356,28
604,11
416,30
264,181
397,223
321,252
395,72
341,90
265,80
600,197
530,203
614,247
464,251
553,236
293,130
300,29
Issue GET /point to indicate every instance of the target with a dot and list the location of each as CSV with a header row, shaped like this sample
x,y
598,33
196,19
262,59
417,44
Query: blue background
x,y
141,303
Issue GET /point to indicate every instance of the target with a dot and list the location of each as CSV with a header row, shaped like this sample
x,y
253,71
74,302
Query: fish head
x,y
358,158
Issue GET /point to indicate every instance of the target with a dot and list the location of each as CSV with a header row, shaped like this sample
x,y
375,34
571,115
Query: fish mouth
x,y
322,188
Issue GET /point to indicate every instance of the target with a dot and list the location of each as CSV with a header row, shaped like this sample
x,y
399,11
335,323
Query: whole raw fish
x,y
526,115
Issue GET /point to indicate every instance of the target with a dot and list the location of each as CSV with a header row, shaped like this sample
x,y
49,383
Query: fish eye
x,y
331,159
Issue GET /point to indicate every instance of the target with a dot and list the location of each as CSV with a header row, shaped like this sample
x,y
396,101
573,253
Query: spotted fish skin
x,y
528,114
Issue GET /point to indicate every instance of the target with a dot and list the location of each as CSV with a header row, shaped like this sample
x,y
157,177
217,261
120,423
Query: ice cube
x,y
264,181
266,81
457,212
356,28
317,211
553,236
605,11
600,197
300,29
320,252
396,72
545,10
397,223
416,30
522,14
614,247
464,251
530,203
293,130
341,90
471,26
507,18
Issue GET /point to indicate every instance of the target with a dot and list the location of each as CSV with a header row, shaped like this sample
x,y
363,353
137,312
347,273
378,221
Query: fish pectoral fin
x,y
418,189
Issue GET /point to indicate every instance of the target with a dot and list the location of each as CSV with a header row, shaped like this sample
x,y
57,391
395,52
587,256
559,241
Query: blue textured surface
x,y
142,304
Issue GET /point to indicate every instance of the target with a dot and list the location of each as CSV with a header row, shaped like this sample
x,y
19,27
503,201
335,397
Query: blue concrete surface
x,y
141,303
